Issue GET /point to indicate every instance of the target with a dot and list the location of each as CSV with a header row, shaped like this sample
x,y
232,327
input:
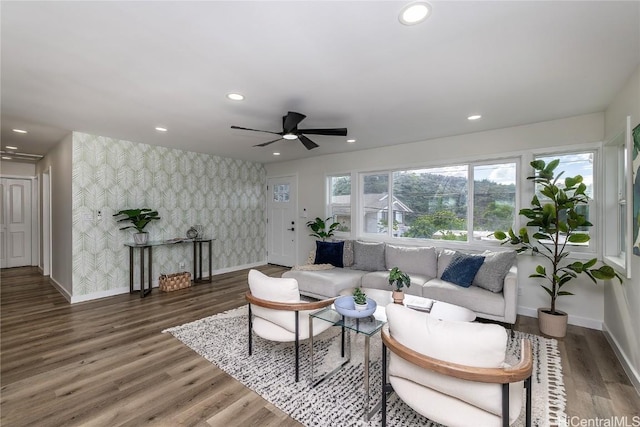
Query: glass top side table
x,y
368,326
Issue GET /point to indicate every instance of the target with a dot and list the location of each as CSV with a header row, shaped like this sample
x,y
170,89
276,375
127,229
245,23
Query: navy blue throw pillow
x,y
329,253
462,269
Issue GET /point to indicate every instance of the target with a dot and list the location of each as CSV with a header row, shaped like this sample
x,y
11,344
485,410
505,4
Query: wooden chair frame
x,y
519,372
295,307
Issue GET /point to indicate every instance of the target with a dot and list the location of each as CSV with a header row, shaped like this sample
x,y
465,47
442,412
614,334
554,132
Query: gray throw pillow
x,y
412,260
368,256
495,267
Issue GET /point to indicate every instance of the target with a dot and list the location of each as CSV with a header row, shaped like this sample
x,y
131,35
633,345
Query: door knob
x,y
291,229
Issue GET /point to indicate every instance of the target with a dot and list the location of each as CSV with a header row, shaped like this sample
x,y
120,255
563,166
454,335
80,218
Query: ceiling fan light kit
x,y
290,131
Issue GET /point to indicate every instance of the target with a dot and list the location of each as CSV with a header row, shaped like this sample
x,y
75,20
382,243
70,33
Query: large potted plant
x,y
139,219
399,279
319,228
557,222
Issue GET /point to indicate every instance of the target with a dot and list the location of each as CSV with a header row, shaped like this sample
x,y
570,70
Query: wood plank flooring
x,y
106,362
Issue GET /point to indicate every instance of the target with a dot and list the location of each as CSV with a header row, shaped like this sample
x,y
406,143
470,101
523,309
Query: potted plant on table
x,y
360,299
320,230
557,222
139,219
399,279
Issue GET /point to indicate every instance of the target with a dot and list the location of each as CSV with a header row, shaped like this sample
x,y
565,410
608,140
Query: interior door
x,y
15,222
281,221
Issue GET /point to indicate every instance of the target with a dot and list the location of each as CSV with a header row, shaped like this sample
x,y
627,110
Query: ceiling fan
x,y
290,131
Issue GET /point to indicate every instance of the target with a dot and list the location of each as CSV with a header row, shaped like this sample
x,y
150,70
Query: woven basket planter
x,y
175,281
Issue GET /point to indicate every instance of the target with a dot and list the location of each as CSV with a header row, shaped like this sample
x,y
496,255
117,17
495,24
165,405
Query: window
x,y
340,201
434,203
431,203
618,206
375,203
281,193
577,164
494,199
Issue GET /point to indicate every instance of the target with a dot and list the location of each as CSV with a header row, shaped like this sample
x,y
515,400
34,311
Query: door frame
x,y
33,214
46,222
293,178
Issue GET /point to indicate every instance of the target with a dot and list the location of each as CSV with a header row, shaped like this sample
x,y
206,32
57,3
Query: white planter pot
x,y
361,307
553,325
141,238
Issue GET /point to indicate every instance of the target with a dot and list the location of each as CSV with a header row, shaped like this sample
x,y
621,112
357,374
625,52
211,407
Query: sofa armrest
x,y
510,292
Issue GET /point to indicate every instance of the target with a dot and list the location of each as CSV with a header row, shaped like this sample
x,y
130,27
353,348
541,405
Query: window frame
x,y
618,234
470,242
328,210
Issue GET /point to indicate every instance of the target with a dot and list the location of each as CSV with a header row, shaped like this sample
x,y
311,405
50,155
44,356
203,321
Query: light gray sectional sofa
x,y
491,290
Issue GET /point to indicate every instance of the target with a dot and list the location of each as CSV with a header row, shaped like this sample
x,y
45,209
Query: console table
x,y
148,247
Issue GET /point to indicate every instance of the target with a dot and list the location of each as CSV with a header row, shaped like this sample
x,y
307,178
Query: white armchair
x,y
276,311
454,373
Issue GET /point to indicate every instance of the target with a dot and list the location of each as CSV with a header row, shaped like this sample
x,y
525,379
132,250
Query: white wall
x,y
622,302
60,159
585,308
17,168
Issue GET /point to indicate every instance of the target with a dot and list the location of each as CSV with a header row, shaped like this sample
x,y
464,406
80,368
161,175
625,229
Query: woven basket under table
x,y
175,281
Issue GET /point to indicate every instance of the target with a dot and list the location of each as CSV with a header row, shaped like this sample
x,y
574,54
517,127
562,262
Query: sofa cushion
x,y
380,280
444,259
474,298
273,288
368,256
462,269
496,265
326,283
412,260
329,253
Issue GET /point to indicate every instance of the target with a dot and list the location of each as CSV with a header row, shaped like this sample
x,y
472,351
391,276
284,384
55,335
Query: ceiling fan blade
x,y
255,130
264,144
333,132
291,120
309,144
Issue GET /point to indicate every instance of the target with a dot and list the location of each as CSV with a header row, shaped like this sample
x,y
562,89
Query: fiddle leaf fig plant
x,y
139,218
320,230
558,222
398,278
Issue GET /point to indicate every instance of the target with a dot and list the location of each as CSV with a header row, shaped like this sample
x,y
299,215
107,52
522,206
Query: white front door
x,y
15,222
281,221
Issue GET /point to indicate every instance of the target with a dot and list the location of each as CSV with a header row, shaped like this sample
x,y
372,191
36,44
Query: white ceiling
x,y
120,69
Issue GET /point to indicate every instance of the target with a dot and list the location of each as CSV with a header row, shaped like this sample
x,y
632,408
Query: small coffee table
x,y
368,327
439,309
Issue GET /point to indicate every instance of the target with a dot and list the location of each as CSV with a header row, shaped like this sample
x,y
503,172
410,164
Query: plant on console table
x,y
399,279
139,219
557,222
320,230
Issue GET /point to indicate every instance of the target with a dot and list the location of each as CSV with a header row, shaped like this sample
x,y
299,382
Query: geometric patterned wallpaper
x,y
225,195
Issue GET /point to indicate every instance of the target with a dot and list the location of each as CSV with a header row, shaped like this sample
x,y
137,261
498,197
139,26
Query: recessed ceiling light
x,y
351,141
235,96
161,129
6,158
11,147
290,136
474,117
276,154
414,13
19,131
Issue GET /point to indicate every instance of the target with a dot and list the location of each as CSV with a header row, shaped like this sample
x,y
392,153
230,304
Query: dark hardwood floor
x,y
106,362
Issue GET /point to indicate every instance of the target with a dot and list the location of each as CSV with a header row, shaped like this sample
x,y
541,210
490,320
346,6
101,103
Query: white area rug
x,y
222,339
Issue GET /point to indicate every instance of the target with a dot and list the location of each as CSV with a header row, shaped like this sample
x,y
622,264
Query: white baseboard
x,y
61,289
573,320
154,284
633,375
